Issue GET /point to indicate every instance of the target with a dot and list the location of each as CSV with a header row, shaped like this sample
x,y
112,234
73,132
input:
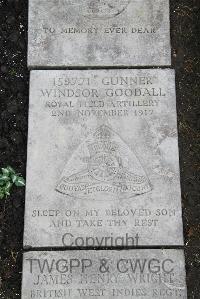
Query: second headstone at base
x,y
141,274
103,167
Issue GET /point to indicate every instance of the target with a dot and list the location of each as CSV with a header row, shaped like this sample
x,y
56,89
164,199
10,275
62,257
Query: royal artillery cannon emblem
x,y
103,167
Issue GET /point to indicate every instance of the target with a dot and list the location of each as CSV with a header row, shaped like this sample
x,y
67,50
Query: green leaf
x,y
5,171
7,193
4,178
10,169
14,178
8,186
1,195
20,182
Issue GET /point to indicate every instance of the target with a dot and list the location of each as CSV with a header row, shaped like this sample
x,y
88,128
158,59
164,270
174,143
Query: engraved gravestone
x,y
103,167
98,33
104,274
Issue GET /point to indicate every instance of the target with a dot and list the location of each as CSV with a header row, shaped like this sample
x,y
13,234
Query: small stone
x,y
4,69
14,36
10,20
21,43
17,202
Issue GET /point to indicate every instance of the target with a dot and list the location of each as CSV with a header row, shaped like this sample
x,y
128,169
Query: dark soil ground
x,y
185,34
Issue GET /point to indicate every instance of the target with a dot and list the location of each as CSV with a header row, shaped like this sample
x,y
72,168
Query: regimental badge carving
x,y
103,9
103,167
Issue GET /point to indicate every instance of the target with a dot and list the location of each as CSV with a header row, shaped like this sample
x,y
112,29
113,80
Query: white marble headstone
x,y
103,167
65,33
109,274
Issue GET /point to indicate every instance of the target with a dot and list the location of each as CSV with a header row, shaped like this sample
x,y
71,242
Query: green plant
x,y
8,178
